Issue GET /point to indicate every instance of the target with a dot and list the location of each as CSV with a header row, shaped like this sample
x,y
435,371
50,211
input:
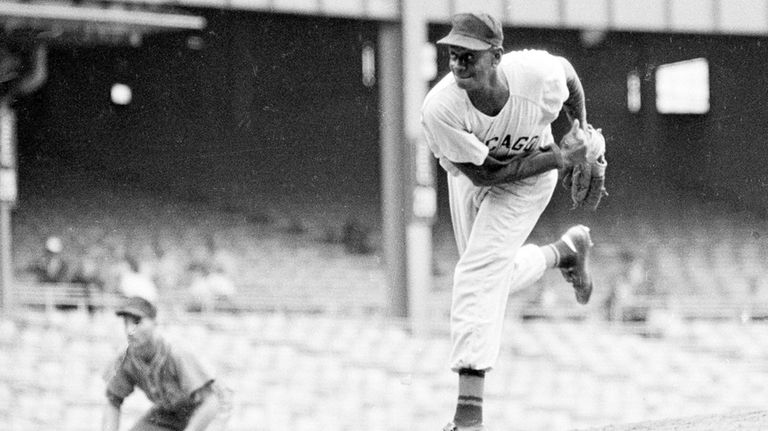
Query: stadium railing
x,y
697,307
286,298
340,300
344,301
50,296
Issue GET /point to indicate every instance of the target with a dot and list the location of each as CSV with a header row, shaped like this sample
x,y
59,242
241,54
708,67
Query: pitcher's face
x,y
473,70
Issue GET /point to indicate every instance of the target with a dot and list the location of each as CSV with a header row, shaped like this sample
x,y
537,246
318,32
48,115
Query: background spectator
x,y
210,280
88,275
52,267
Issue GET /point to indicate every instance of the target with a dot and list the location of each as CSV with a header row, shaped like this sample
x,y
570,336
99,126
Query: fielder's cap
x,y
475,31
137,306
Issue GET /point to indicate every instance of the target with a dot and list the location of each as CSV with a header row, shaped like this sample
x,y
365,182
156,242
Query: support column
x,y
409,197
418,68
394,166
8,191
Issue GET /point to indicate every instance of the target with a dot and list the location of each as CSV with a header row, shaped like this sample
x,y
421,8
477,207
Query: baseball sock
x,y
469,407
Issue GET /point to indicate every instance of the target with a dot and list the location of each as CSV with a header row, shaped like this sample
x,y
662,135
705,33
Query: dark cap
x,y
137,306
475,31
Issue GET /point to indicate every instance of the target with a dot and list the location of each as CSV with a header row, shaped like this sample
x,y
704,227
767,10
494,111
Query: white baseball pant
x,y
490,225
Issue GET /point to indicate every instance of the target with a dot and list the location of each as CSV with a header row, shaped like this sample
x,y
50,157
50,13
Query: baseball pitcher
x,y
489,124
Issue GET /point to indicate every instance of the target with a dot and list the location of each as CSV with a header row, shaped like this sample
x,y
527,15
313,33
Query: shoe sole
x,y
578,274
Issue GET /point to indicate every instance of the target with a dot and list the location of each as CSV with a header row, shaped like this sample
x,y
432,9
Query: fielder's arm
x,y
575,106
206,412
110,420
494,171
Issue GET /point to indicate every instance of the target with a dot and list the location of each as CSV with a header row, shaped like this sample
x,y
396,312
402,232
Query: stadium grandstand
x,y
247,139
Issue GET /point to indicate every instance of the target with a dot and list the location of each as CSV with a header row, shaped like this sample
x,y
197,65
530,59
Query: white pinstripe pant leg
x,y
490,225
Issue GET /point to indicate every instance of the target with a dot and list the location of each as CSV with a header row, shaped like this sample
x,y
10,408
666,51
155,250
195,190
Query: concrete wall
x,y
271,104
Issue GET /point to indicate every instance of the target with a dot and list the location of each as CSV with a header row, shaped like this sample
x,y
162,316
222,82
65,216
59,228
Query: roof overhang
x,y
103,23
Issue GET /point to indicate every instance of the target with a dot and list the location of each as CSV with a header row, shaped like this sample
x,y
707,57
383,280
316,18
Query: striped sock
x,y
469,411
469,406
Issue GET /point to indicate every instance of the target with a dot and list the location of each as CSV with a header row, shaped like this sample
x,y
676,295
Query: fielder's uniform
x,y
492,223
174,382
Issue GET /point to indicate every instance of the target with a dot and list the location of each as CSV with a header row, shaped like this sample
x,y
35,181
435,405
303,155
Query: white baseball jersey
x,y
491,224
457,132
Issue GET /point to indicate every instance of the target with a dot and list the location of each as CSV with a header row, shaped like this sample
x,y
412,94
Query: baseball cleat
x,y
452,427
578,238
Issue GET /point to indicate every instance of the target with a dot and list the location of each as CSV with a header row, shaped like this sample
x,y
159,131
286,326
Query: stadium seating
x,y
302,372
697,256
306,344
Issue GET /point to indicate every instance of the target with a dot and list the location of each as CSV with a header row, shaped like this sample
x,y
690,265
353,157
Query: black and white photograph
x,y
383,215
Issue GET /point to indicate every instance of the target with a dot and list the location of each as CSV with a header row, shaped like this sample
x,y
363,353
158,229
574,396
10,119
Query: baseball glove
x,y
586,181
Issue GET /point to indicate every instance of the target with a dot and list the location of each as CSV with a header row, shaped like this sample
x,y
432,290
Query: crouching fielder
x,y
489,124
182,391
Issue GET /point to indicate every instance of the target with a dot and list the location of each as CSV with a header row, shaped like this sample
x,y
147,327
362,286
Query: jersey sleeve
x,y
192,374
119,382
447,137
554,87
543,79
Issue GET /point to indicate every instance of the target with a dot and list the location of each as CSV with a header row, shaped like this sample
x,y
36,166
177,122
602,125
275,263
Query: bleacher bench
x,y
290,299
699,307
50,296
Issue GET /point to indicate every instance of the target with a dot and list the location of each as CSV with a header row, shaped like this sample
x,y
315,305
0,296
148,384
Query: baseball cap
x,y
475,31
137,306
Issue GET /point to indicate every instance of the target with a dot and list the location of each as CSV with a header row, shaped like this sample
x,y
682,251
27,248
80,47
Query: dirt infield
x,y
731,422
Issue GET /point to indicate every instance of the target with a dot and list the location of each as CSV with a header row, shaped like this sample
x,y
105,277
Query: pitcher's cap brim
x,y
463,41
